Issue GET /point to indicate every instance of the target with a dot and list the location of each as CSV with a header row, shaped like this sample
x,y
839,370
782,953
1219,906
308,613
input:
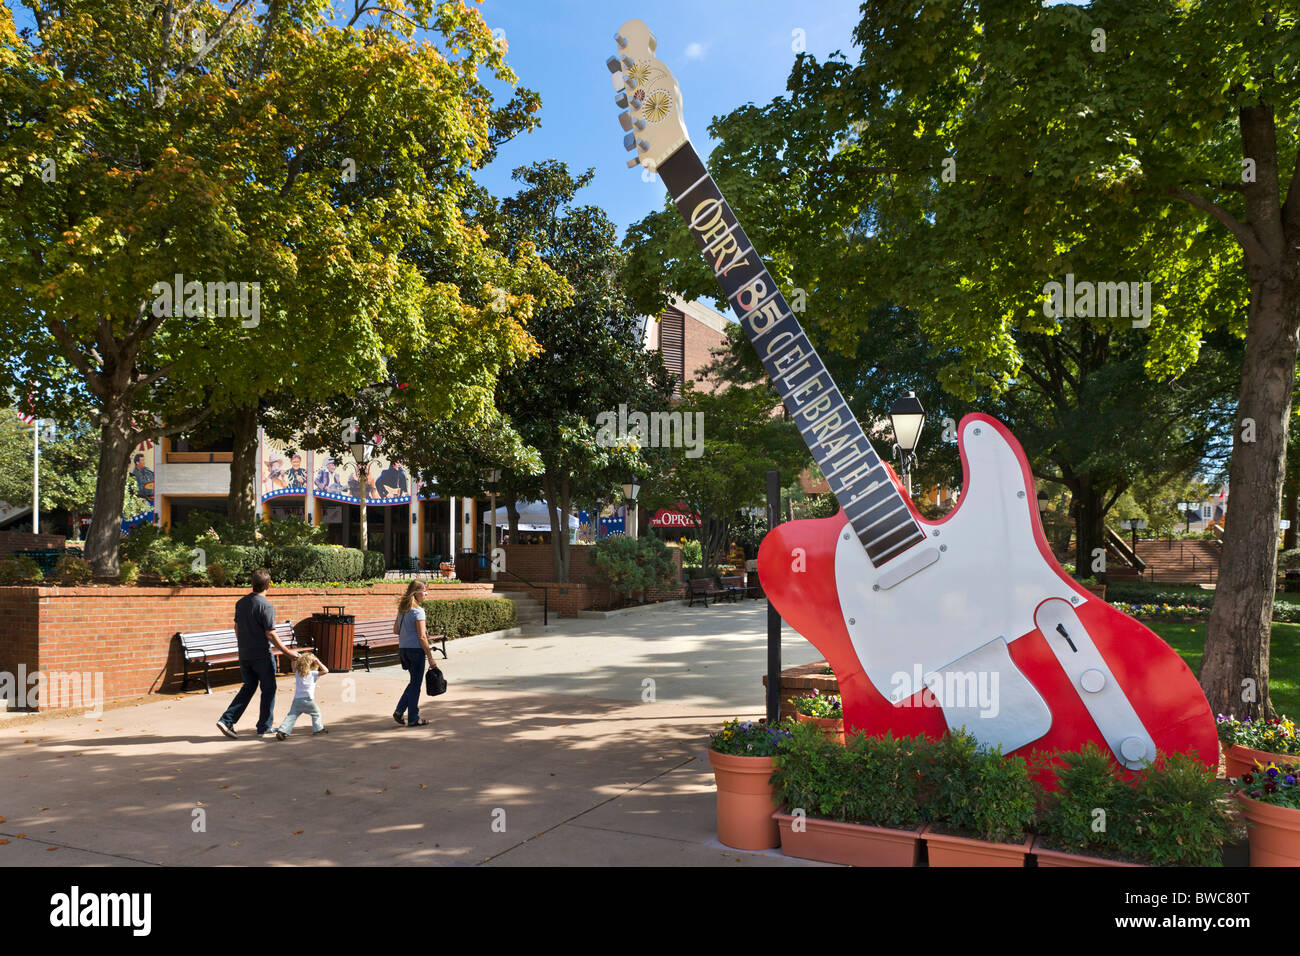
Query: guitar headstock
x,y
649,96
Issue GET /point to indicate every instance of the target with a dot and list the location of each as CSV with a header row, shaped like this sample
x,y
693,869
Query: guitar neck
x,y
874,506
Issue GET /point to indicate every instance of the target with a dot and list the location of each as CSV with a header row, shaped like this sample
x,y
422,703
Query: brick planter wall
x,y
797,681
533,562
127,633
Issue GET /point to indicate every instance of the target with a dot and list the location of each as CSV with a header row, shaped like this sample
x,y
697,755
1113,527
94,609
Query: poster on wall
x,y
142,470
283,469
387,481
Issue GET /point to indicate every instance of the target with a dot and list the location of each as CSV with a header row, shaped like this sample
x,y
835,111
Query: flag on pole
x,y
25,419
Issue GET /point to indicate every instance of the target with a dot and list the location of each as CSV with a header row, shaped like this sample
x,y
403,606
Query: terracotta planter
x,y
853,844
1239,759
832,727
1274,832
745,801
1057,858
946,850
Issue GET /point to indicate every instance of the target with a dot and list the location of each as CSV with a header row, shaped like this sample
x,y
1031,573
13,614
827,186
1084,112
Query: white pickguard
x,y
983,589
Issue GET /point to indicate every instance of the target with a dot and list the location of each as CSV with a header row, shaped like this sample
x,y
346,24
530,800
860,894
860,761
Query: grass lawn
x,y
1284,657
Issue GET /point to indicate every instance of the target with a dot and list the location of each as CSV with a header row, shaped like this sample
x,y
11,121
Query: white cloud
x,y
695,51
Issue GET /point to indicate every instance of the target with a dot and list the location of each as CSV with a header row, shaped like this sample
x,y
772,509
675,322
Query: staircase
x,y
528,608
1179,562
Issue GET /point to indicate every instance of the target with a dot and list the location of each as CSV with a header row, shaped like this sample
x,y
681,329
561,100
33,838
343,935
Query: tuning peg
x,y
628,62
625,120
620,99
613,64
633,162
618,82
620,40
629,141
643,145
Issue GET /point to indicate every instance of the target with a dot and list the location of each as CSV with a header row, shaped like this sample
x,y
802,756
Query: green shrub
x,y
692,552
128,571
314,562
975,790
291,532
1182,817
136,544
238,562
218,574
1088,781
72,570
19,569
627,565
373,564
463,617
1288,560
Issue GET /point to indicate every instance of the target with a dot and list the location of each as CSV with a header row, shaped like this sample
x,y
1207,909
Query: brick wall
x,y
11,541
698,342
126,633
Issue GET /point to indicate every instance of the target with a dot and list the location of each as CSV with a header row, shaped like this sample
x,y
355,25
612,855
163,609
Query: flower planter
x,y
745,801
1240,759
1059,858
1274,832
832,727
947,850
853,844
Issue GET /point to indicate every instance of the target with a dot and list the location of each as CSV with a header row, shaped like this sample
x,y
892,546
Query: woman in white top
x,y
413,647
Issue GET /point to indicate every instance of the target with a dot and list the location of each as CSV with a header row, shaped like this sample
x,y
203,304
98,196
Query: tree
x,y
592,357
743,442
976,153
259,149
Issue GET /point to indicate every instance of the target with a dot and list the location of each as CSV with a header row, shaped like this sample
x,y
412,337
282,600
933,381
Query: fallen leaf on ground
x,y
3,842
224,786
297,832
50,849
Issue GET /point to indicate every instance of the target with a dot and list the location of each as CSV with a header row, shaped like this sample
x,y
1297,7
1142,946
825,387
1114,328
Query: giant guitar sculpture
x,y
929,626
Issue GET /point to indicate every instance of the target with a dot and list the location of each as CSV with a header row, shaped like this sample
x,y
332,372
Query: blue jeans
x,y
255,673
302,705
413,658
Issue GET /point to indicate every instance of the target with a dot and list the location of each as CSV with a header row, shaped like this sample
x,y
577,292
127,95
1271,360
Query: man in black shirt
x,y
255,630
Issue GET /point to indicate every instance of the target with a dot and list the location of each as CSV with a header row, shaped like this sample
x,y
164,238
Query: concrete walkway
x,y
550,748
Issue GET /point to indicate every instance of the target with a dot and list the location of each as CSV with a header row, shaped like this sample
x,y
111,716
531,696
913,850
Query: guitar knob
x,y
1092,680
1133,749
629,141
620,99
613,64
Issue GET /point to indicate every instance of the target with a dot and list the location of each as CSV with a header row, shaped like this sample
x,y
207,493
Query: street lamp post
x,y
491,477
361,450
906,418
632,488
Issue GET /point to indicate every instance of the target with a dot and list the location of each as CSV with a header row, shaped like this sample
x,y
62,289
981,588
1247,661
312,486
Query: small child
x,y
306,669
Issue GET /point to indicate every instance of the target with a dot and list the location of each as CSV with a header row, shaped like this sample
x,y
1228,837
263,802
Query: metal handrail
x,y
546,594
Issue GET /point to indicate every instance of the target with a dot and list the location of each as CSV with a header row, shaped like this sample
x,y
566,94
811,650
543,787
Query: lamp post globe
x,y
907,418
632,488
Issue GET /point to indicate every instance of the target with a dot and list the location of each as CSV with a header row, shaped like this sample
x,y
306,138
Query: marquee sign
x,y
929,626
668,518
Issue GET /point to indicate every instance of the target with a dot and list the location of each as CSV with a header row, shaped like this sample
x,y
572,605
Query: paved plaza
x,y
543,751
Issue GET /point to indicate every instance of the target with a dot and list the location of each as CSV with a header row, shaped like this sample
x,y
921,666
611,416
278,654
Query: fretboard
x,y
875,507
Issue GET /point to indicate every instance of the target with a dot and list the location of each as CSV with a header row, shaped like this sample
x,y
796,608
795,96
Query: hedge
x,y
314,562
239,561
462,617
373,564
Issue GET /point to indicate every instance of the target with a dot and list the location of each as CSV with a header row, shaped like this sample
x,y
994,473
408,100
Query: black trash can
x,y
335,633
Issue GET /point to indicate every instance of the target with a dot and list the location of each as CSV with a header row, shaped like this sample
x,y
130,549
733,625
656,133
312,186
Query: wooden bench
x,y
379,634
704,588
221,647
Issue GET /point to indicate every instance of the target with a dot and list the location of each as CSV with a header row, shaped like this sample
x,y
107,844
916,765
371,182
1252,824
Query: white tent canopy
x,y
533,516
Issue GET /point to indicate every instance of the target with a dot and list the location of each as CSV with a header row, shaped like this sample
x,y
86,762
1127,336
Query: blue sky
x,y
724,53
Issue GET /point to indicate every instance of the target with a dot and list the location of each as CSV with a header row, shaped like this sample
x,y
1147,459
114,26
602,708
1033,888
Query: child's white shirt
x,y
305,687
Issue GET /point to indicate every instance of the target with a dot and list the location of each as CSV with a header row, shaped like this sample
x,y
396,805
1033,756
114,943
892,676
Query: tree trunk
x,y
1235,671
512,516
557,503
110,489
241,501
1088,529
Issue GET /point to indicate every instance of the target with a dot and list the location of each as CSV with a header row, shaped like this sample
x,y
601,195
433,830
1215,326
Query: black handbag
x,y
434,682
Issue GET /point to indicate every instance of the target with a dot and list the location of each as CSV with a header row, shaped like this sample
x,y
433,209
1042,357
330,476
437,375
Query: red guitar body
x,y
1161,688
